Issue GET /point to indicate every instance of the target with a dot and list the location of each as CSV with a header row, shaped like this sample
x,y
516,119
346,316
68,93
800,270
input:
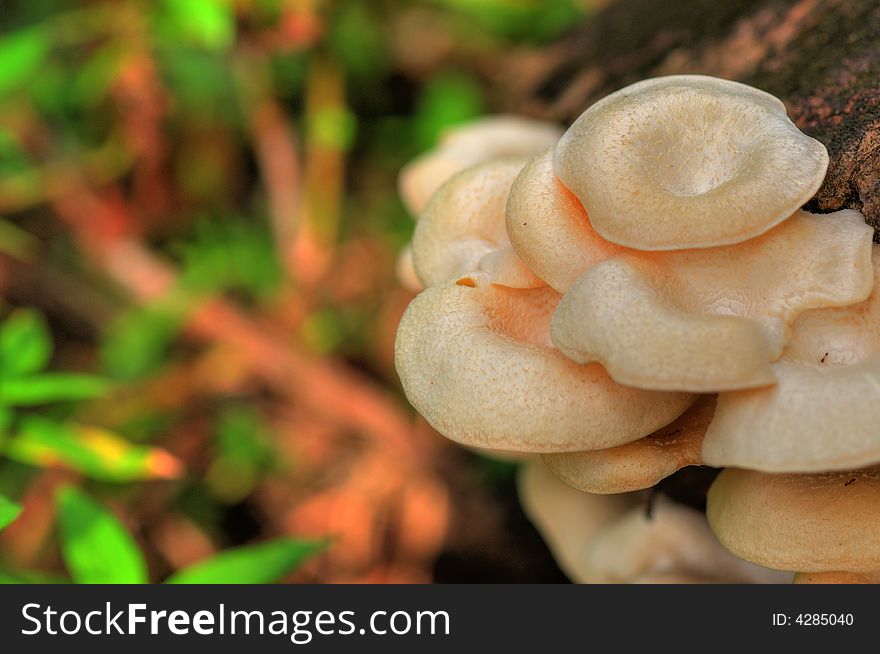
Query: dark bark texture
x,y
821,57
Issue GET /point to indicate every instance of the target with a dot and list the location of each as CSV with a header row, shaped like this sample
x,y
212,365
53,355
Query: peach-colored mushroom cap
x,y
549,229
469,144
688,161
475,360
642,463
824,413
462,229
613,539
799,522
714,319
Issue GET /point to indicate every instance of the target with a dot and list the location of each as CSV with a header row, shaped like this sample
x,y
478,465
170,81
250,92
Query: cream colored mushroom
x,y
642,463
549,229
688,161
462,229
824,413
714,319
672,539
469,144
613,539
813,523
475,360
567,519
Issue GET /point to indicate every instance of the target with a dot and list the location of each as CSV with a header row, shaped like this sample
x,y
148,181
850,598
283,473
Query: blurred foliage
x,y
96,547
254,564
253,146
230,255
244,453
9,511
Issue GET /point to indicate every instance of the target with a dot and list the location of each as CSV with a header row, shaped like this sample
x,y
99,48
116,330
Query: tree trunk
x,y
821,57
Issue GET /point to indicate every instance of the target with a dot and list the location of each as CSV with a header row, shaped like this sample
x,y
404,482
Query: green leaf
x,y
95,546
533,21
355,35
94,452
137,343
9,511
21,55
243,452
209,23
44,388
25,343
252,564
7,417
332,127
447,99
15,241
230,255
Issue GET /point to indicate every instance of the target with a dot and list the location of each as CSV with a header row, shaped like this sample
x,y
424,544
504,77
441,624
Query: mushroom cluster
x,y
644,294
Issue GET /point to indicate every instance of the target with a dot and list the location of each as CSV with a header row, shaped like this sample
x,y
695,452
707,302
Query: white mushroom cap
x,y
462,229
466,145
642,463
713,319
475,360
549,229
612,539
688,161
824,413
803,523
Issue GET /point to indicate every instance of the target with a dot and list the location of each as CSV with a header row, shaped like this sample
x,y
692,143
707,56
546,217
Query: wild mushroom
x,y
671,539
824,412
658,162
612,539
475,360
714,319
469,144
461,230
664,236
568,519
808,523
549,229
642,463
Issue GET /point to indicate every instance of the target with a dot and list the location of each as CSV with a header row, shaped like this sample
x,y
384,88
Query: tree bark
x,y
821,57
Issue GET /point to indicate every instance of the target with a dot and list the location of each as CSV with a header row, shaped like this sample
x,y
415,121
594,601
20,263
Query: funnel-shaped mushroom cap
x,y
688,162
803,523
611,538
641,464
824,413
549,228
714,319
466,145
462,229
475,360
